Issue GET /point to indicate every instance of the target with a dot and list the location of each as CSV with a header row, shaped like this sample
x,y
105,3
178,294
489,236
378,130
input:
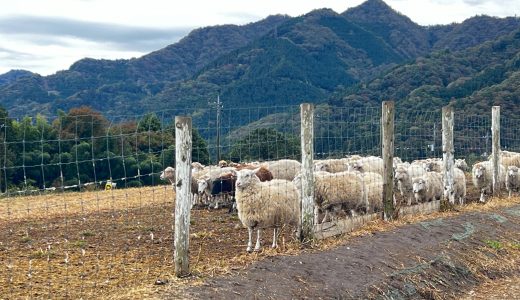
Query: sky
x,y
47,36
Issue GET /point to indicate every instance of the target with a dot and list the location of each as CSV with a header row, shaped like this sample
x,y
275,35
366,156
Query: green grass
x,y
494,244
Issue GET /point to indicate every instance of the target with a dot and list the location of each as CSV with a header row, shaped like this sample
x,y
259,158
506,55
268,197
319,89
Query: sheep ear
x,y
256,170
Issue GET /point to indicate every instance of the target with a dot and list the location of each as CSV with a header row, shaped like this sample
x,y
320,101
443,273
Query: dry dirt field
x,y
118,244
98,244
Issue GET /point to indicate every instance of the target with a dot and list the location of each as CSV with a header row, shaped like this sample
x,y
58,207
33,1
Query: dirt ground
x,y
118,245
113,244
442,258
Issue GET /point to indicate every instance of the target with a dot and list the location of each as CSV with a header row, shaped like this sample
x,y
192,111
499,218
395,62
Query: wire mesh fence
x,y
84,210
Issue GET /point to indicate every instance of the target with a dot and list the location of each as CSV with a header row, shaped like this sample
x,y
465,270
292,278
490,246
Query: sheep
x,y
459,186
510,160
284,169
433,165
168,174
374,191
224,184
268,204
332,190
482,176
512,180
461,164
367,164
428,187
331,165
197,166
403,183
416,170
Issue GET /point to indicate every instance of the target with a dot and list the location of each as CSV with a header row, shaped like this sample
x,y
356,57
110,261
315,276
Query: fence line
x,y
43,164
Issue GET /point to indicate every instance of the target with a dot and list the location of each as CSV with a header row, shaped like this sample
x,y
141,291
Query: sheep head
x,y
479,171
419,185
512,171
245,178
202,185
168,174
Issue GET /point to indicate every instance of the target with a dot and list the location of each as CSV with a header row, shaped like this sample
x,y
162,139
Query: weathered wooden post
x,y
387,148
448,159
495,156
308,213
183,150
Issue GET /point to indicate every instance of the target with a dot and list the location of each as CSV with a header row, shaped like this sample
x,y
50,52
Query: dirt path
x,y
438,259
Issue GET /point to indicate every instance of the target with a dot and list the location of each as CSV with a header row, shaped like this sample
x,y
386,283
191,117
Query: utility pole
x,y
219,107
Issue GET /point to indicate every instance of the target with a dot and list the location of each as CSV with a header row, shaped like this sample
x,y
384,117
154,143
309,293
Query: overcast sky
x,y
47,36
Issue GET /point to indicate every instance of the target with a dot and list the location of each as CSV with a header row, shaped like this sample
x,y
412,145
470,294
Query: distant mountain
x,y
12,76
114,86
369,53
472,80
408,38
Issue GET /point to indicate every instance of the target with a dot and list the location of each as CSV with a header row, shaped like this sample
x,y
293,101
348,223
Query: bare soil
x,y
442,258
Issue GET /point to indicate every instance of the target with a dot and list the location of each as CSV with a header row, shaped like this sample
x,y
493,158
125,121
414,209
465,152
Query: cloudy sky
x,y
47,36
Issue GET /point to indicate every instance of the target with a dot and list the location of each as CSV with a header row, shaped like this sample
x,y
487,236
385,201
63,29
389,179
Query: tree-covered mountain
x,y
13,75
366,53
472,79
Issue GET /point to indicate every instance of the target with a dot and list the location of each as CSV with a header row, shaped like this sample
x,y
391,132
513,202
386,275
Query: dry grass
x,y
68,203
506,288
98,244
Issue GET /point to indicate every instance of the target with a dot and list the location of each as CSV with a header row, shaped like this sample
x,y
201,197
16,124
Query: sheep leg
x,y
482,196
316,215
258,246
325,217
510,193
250,241
275,238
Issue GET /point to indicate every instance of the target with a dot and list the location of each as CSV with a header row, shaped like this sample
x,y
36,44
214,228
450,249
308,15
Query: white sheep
x,y
268,204
168,174
433,165
512,180
331,165
374,191
461,164
367,164
403,183
459,186
428,187
482,175
284,169
338,190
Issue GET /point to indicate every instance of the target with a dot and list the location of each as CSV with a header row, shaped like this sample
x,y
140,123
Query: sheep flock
x,y
267,195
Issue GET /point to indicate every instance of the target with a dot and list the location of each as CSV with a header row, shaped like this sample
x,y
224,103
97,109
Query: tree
x,y
265,144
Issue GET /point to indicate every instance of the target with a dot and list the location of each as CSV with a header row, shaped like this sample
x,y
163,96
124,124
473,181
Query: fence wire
x,y
84,212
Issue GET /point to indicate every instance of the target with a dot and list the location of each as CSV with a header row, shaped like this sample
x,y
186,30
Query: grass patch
x,y
25,240
80,244
40,254
494,244
87,233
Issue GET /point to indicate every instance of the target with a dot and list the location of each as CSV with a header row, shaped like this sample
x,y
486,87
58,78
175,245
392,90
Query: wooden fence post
x,y
308,213
495,157
387,148
183,148
448,159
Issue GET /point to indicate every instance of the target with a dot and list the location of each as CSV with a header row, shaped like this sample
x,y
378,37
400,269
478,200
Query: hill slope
x,y
276,61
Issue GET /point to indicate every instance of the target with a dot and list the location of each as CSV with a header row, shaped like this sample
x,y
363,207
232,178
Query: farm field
x,y
93,244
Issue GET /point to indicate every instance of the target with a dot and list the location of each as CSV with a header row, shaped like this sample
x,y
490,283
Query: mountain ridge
x,y
276,61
